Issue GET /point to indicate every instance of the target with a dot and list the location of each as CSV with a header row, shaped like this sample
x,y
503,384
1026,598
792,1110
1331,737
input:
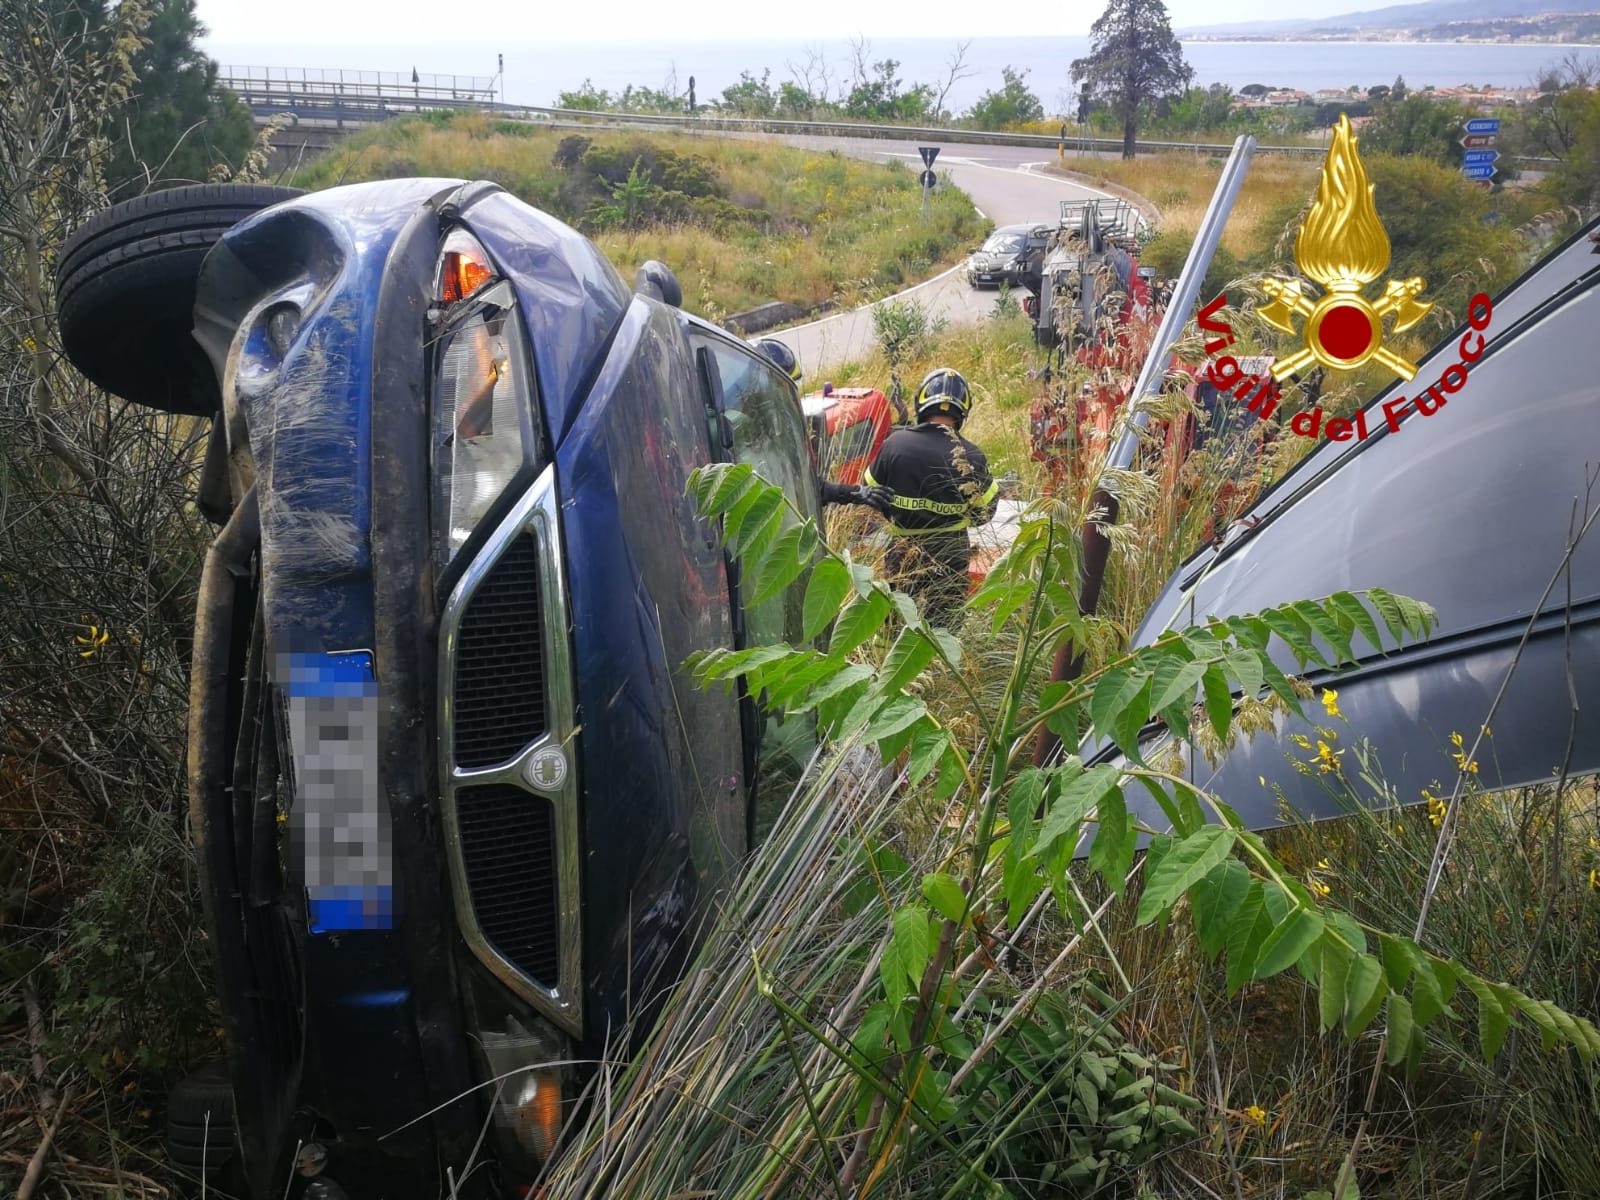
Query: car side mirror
x,y
655,279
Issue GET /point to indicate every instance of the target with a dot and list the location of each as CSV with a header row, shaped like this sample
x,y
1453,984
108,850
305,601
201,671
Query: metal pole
x,y
1184,296
1096,545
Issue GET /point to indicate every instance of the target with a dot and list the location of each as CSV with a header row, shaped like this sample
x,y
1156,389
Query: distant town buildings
x,y
1474,97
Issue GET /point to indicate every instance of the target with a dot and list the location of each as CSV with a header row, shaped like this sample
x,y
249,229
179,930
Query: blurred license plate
x,y
340,825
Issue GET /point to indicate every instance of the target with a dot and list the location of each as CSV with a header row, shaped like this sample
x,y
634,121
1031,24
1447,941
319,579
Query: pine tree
x,y
178,123
1135,59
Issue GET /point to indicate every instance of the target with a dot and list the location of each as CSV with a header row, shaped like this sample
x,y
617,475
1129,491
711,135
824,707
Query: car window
x,y
769,433
1003,243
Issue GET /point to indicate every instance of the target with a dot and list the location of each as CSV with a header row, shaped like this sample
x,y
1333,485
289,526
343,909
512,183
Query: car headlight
x,y
483,395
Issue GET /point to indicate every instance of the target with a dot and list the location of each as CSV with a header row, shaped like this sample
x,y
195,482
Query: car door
x,y
761,424
756,419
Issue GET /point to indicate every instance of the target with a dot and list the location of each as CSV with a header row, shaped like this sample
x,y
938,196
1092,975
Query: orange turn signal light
x,y
465,269
539,1113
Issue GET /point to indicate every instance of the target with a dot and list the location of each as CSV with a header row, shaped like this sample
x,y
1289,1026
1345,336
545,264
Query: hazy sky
x,y
410,22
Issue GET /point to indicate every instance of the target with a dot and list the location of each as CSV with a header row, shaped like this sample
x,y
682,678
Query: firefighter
x,y
940,487
781,357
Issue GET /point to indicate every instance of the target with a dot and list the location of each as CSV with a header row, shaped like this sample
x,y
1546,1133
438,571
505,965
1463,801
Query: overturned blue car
x,y
457,810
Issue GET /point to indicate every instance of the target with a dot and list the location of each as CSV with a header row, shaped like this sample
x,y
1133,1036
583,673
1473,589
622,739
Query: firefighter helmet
x,y
943,394
781,356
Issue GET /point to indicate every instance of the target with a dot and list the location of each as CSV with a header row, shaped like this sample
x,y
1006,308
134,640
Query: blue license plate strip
x,y
340,828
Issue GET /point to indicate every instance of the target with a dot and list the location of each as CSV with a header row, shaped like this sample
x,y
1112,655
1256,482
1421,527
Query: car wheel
x,y
200,1125
125,289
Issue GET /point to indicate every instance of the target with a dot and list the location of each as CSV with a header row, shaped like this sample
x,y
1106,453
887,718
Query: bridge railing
x,y
314,81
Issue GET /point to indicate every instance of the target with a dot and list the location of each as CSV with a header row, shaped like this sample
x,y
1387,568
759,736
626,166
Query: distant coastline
x,y
536,72
1300,39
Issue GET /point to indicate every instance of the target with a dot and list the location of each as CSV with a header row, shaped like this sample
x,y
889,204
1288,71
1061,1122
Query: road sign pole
x,y
929,153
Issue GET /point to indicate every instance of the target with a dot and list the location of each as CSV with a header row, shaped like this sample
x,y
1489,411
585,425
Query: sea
x,y
536,73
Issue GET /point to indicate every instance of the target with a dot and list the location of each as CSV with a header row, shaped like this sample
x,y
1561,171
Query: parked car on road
x,y
1011,256
457,808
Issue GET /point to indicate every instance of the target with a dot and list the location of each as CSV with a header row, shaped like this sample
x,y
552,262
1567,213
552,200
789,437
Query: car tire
x,y
125,290
200,1124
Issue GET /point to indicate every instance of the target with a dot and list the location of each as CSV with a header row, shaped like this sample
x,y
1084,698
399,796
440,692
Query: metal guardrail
x,y
352,95
907,132
314,81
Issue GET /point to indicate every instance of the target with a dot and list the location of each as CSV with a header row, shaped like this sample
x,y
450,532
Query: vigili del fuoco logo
x,y
1342,246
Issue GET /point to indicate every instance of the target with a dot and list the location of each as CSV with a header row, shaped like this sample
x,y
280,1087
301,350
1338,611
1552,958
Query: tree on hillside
x,y
813,79
587,98
177,124
876,96
180,123
650,100
1201,109
956,69
1564,124
750,97
1417,126
1012,104
1135,58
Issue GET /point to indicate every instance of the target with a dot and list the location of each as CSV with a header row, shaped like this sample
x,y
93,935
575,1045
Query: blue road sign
x,y
929,179
1479,158
1484,125
929,153
1479,172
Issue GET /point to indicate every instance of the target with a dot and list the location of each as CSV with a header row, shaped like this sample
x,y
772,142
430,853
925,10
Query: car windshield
x,y
1003,243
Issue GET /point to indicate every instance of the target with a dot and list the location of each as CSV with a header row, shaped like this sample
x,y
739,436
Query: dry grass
x,y
1180,185
1051,127
810,228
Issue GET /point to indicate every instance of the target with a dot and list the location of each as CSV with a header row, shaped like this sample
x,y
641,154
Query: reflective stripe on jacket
x,y
941,481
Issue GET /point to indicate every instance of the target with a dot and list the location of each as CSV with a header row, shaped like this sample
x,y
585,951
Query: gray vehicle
x,y
1012,255
1090,270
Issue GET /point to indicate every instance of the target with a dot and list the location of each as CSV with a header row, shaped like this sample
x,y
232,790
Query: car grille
x,y
499,662
509,849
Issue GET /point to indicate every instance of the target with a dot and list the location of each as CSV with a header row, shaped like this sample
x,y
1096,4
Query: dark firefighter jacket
x,y
940,480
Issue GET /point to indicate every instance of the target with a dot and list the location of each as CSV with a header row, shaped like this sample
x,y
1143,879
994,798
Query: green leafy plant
x,y
1023,828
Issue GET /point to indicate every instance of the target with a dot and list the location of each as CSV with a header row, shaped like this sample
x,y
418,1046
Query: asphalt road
x,y
1004,189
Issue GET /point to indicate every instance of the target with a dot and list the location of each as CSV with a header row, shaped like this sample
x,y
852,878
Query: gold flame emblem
x,y
1343,247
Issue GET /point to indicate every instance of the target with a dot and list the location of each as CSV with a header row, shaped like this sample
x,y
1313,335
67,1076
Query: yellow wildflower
x,y
1330,703
1455,740
1320,889
1594,879
1322,865
1327,759
1462,764
1436,808
1257,1114
1301,740
97,638
1486,731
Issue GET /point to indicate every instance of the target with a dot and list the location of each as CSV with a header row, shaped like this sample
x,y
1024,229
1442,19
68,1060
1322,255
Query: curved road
x,y
1004,188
